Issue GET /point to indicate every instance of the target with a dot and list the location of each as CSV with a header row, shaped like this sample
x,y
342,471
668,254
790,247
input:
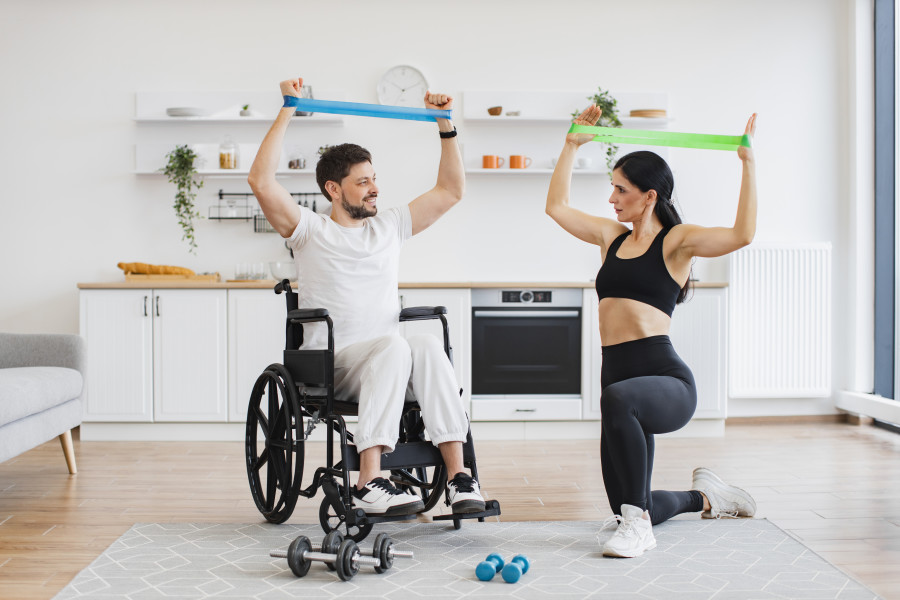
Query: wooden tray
x,y
151,277
648,112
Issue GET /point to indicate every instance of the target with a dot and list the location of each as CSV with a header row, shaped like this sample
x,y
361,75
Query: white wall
x,y
72,207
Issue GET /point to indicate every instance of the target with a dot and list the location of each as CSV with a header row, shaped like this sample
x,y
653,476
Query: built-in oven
x,y
526,343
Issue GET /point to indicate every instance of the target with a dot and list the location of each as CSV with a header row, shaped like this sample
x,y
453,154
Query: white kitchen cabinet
x,y
256,329
118,328
593,359
189,355
459,320
155,355
698,333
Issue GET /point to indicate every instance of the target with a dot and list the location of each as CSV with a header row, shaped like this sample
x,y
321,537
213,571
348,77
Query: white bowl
x,y
283,270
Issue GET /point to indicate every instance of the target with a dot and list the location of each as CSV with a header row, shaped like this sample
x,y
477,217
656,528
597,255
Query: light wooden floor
x,y
834,486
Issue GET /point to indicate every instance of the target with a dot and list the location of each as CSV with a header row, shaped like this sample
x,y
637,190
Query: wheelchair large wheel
x,y
274,456
330,521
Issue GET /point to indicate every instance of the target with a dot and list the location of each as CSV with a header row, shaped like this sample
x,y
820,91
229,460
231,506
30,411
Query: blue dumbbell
x,y
489,567
517,567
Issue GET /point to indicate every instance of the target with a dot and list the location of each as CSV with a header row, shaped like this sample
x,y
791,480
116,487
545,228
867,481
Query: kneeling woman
x,y
646,388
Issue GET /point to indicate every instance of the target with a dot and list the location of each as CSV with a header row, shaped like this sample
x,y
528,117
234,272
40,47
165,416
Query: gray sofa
x,y
41,382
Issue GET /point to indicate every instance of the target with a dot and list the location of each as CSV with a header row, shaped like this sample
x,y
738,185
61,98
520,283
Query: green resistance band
x,y
642,137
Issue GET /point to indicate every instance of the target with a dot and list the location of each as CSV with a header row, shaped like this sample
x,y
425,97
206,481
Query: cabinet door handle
x,y
145,306
157,306
526,410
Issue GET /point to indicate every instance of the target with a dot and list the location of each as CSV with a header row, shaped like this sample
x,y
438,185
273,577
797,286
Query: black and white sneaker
x,y
380,498
463,494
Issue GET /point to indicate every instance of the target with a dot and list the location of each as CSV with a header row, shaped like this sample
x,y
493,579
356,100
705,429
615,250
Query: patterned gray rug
x,y
694,559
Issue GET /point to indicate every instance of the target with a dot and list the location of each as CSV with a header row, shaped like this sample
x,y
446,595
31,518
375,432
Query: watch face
x,y
402,86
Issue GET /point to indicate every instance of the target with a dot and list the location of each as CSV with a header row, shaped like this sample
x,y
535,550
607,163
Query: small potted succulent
x,y
245,111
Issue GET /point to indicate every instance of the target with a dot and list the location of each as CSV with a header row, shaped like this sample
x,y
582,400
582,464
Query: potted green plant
x,y
609,118
245,111
182,171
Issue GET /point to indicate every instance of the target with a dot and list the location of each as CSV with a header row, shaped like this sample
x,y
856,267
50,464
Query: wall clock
x,y
402,86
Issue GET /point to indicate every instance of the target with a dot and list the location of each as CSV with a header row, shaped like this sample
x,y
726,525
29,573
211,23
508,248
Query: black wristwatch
x,y
448,134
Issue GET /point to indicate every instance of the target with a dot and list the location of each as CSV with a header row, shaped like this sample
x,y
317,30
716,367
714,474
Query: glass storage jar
x,y
228,157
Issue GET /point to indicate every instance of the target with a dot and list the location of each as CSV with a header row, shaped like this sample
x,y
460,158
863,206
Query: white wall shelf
x,y
221,110
223,106
150,157
315,119
629,122
540,127
231,173
537,106
529,171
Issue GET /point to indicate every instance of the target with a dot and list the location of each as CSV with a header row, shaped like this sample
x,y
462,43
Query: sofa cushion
x,y
26,391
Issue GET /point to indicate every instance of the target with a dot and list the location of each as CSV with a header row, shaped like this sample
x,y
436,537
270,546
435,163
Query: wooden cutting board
x,y
151,277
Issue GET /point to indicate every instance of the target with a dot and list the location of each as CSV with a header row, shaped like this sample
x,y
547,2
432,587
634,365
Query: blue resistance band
x,y
367,110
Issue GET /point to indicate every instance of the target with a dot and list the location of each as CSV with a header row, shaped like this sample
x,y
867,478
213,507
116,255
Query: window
x,y
885,195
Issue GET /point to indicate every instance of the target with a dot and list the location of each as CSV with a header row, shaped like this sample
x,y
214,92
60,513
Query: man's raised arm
x,y
451,179
275,201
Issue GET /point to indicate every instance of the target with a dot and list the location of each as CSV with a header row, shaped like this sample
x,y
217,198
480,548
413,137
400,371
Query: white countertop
x,y
269,283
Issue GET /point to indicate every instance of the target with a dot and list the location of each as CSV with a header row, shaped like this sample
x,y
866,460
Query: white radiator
x,y
780,322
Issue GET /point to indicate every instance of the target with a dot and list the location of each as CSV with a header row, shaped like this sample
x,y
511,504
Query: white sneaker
x,y
464,495
633,537
380,498
725,501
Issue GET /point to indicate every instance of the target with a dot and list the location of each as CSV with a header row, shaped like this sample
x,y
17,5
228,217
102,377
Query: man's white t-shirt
x,y
351,271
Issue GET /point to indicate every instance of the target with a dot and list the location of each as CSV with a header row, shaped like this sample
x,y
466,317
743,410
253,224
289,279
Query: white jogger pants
x,y
380,373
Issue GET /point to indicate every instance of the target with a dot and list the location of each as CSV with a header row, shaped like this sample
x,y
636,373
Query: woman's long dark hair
x,y
648,171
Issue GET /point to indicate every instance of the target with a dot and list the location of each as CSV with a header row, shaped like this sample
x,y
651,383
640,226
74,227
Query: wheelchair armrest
x,y
308,314
416,313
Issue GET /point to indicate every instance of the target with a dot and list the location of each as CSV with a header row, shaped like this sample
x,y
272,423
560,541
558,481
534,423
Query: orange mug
x,y
491,161
517,161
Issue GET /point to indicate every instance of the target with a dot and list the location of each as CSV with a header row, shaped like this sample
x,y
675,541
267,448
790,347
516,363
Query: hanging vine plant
x,y
181,170
609,118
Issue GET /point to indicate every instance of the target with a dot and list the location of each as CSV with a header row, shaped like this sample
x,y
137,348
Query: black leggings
x,y
646,389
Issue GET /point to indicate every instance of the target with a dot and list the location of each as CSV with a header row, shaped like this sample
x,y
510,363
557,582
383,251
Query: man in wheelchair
x,y
349,263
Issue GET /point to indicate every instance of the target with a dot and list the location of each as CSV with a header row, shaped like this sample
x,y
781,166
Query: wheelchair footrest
x,y
374,519
491,509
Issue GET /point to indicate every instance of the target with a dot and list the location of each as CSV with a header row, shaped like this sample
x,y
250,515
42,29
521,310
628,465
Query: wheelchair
x,y
289,400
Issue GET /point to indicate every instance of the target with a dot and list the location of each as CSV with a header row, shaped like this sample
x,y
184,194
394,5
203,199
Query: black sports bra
x,y
644,278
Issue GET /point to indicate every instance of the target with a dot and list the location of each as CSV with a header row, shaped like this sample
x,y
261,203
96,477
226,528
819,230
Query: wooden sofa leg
x,y
65,439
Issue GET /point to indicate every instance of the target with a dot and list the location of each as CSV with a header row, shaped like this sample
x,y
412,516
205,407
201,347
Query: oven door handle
x,y
510,314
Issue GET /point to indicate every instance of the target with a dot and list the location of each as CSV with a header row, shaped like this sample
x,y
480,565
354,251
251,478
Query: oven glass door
x,y
534,351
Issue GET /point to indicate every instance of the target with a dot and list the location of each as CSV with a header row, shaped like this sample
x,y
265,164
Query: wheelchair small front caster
x,y
331,521
457,523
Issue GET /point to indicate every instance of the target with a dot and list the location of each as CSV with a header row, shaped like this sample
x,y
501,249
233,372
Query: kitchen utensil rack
x,y
235,206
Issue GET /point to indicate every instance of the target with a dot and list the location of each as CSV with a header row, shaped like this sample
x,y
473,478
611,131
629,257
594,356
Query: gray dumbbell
x,y
346,559
383,550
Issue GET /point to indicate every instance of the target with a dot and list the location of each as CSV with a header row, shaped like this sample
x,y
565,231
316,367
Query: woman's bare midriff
x,y
624,320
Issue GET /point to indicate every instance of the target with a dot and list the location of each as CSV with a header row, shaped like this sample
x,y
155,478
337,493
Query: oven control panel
x,y
512,298
544,296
